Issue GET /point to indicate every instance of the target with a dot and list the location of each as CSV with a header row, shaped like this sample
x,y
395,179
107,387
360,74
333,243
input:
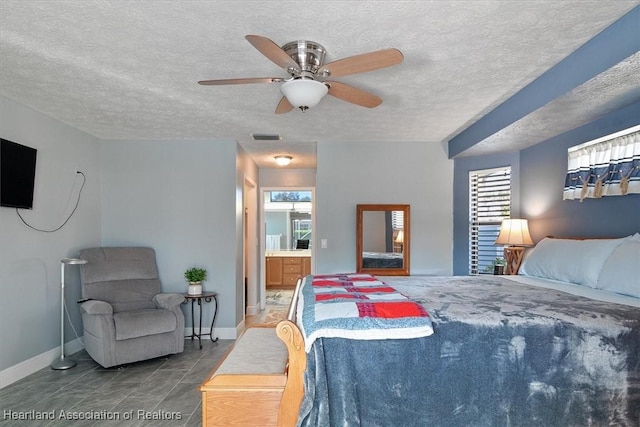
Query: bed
x,y
382,260
558,345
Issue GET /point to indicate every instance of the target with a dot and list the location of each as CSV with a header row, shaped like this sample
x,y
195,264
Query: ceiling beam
x,y
615,43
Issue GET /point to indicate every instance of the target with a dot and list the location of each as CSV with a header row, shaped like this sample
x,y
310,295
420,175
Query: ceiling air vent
x,y
266,136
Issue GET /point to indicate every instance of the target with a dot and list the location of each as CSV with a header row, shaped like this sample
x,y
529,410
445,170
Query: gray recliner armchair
x,y
125,316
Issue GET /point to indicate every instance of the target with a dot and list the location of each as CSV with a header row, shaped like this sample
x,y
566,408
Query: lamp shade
x,y
400,236
514,232
303,93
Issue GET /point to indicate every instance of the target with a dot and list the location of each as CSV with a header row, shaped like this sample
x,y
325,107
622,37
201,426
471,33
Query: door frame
x,y
250,240
263,240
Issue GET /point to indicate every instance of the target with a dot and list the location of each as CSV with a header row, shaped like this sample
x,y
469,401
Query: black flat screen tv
x,y
17,174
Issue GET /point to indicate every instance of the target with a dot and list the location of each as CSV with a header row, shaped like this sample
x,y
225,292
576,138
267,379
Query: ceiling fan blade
x,y
272,51
362,63
241,81
353,95
284,106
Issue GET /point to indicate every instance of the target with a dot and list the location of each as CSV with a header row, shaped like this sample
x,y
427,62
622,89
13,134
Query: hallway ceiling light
x,y
283,160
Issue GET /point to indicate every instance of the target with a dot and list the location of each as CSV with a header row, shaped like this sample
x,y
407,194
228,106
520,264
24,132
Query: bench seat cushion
x,y
257,351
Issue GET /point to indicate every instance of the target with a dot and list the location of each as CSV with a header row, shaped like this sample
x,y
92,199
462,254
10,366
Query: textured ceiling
x,y
609,91
128,70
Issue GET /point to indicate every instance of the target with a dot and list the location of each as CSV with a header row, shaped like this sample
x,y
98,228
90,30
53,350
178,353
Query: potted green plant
x,y
496,266
195,276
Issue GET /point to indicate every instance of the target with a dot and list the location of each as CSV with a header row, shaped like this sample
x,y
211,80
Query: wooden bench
x,y
259,382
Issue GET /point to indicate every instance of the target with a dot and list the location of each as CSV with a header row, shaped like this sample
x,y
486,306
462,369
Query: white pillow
x,y
621,271
568,260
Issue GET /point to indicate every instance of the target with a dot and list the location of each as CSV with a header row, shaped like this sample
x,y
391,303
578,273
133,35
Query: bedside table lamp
x,y
400,239
64,362
514,234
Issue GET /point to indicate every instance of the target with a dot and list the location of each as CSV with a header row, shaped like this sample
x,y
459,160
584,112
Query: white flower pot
x,y
195,288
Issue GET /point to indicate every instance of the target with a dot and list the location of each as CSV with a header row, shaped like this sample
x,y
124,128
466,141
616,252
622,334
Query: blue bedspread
x,y
502,354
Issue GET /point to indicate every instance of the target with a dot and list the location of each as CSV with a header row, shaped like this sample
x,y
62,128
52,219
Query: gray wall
x,y
461,200
282,178
276,223
414,173
538,176
179,197
30,260
543,169
184,198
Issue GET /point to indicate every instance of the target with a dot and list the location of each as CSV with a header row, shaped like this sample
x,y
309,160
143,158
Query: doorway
x,y
287,237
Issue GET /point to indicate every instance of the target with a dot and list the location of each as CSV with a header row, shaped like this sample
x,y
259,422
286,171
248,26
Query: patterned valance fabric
x,y
607,168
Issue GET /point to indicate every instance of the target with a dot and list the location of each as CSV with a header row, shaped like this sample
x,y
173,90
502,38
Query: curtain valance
x,y
606,167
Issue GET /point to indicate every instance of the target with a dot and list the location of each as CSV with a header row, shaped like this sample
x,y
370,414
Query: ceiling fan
x,y
304,62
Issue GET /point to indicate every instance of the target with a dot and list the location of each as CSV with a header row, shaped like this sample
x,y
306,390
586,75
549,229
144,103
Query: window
x,y
290,196
287,219
301,232
397,229
608,166
397,220
489,204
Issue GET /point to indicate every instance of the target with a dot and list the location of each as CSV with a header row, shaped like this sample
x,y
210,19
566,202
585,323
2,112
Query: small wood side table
x,y
200,298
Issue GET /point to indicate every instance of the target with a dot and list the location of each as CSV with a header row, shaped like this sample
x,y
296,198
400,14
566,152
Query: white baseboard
x,y
252,310
23,369
240,328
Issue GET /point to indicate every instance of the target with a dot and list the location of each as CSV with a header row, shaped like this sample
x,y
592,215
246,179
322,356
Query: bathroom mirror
x,y
382,240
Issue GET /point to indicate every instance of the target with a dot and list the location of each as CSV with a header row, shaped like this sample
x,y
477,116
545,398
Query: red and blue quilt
x,y
357,306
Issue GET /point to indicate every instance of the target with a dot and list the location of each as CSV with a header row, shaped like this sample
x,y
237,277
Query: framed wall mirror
x,y
382,240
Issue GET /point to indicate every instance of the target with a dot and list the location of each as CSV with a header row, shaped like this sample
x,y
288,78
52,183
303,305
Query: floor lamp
x,y
514,233
64,362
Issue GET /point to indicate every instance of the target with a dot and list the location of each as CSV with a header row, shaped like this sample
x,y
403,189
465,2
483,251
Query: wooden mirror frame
x,y
404,270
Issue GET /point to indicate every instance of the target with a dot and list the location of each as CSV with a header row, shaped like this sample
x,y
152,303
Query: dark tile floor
x,y
157,392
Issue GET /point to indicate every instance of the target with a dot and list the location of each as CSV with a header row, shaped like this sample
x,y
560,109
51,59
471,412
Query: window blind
x,y
489,204
397,220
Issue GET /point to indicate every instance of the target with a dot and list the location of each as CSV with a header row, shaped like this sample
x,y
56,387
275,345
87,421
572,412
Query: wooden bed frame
x,y
250,399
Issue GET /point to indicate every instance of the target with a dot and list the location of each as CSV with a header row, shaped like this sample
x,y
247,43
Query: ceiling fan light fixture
x,y
304,93
283,160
